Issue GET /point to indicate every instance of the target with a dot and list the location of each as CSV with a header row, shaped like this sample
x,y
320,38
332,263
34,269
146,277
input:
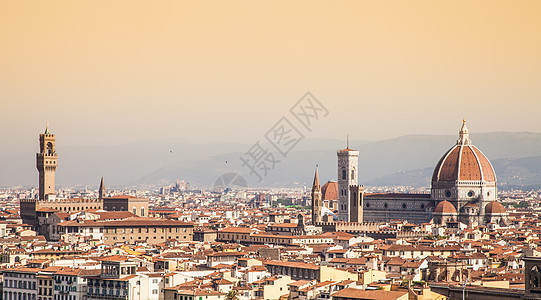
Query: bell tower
x,y
317,202
46,162
347,176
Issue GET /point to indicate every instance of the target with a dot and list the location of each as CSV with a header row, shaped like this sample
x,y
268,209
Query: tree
x,y
232,295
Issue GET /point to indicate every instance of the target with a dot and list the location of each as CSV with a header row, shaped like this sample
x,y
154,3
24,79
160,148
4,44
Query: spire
x,y
101,191
47,128
316,181
347,145
464,135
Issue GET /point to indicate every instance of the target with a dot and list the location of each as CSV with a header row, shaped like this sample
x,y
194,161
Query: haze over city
x,y
109,74
270,150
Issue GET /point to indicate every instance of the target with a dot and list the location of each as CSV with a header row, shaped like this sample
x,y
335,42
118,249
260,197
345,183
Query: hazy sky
x,y
105,72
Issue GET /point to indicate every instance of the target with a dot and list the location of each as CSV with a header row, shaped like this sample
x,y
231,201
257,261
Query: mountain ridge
x,y
159,161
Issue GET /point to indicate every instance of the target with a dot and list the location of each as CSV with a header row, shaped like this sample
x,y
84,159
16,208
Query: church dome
x,y
445,207
494,207
329,191
464,162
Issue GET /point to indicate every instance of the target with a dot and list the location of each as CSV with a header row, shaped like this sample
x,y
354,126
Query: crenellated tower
x,y
356,203
46,163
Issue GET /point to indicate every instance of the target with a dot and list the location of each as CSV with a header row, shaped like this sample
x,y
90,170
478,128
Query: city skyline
x,y
278,150
402,161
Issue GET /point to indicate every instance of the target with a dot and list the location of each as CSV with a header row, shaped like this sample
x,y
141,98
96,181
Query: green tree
x,y
232,295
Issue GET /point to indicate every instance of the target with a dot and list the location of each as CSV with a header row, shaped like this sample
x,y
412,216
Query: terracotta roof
x,y
445,207
285,225
353,293
236,230
349,261
69,272
464,162
135,221
494,207
299,283
223,281
199,292
114,258
114,214
217,254
292,264
329,191
23,270
46,209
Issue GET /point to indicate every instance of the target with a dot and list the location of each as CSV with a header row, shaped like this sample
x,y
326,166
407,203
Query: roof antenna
x,y
347,141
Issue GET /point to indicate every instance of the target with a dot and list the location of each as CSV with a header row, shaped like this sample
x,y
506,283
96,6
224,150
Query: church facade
x,y
463,189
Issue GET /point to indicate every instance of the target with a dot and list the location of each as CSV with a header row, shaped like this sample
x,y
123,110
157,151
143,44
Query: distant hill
x,y
519,173
512,173
160,161
388,161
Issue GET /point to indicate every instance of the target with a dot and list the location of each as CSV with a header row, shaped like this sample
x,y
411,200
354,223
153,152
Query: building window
x,y
49,148
344,174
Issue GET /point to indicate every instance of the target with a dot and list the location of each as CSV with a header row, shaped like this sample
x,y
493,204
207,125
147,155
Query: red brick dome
x,y
329,191
445,207
464,162
494,207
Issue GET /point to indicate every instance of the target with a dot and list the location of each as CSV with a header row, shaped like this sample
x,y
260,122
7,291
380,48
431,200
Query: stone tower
x,y
46,162
356,203
347,176
532,270
101,191
317,202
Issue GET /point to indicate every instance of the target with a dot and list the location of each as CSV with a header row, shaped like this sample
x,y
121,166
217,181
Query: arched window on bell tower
x,y
50,148
534,277
344,174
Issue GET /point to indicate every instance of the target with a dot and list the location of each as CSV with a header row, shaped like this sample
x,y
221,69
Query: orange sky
x,y
117,71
